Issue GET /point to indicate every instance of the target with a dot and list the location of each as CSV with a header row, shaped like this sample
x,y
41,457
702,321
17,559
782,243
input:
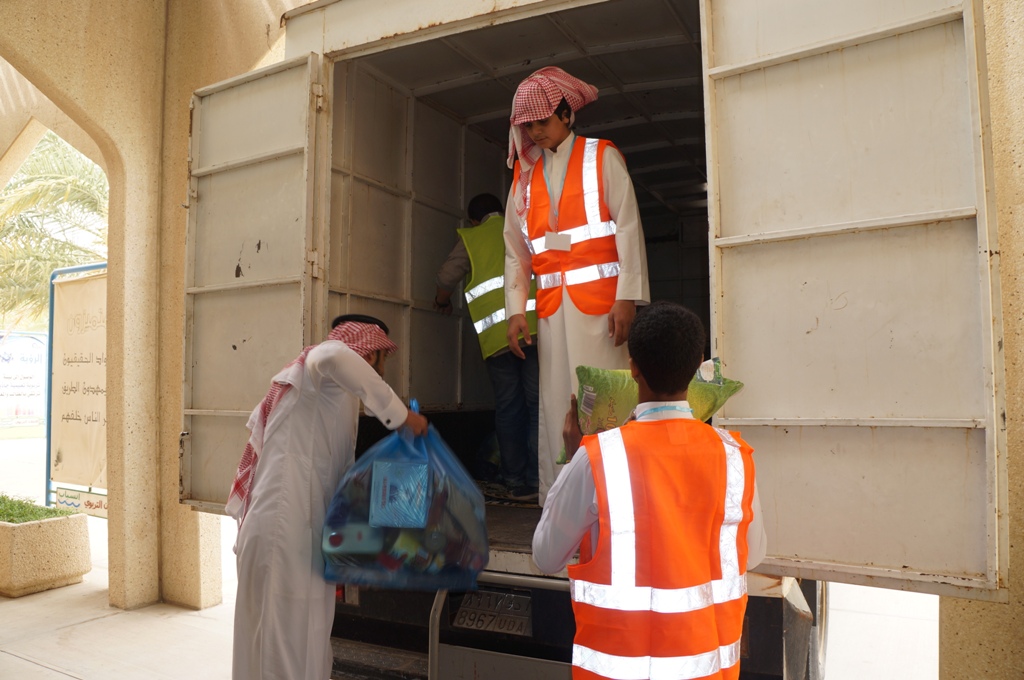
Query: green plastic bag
x,y
606,397
709,389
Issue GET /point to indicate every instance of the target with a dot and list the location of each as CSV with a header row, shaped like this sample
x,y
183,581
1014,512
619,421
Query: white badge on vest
x,y
555,241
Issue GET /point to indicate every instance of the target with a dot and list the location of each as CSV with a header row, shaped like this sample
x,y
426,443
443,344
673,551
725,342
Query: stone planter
x,y
48,553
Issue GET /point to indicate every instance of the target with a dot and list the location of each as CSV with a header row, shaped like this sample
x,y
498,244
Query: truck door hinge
x,y
318,94
314,265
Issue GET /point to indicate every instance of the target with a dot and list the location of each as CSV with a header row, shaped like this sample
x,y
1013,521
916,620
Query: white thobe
x,y
569,338
571,511
284,609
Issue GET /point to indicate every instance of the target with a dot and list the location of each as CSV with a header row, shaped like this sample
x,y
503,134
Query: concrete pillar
x,y
984,640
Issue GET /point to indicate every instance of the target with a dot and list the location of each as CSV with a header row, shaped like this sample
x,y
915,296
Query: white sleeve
x,y
454,268
757,540
629,233
518,262
335,361
570,511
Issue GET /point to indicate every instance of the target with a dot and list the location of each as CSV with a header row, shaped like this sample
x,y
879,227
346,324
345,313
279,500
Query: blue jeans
x,y
515,382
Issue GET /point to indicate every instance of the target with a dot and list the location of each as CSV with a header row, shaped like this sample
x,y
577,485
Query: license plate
x,y
484,610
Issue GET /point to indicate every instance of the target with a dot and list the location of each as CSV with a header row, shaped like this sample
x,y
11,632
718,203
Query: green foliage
x,y
18,510
53,214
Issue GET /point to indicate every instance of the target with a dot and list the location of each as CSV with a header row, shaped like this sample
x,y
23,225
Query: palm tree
x,y
53,214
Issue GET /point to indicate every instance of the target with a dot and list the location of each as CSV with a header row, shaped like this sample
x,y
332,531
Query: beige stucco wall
x,y
978,640
121,73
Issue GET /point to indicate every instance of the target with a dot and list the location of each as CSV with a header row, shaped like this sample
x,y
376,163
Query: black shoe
x,y
522,492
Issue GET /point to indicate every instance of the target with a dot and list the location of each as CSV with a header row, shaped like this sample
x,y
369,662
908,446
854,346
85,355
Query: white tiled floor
x,y
72,632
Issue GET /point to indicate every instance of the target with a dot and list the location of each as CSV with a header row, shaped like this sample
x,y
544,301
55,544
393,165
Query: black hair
x,y
482,205
666,342
360,318
563,110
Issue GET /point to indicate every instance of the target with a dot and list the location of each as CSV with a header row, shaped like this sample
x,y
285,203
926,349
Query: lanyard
x,y
659,409
547,176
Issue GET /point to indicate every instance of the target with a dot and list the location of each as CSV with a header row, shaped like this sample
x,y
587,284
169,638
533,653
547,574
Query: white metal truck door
x,y
855,285
253,267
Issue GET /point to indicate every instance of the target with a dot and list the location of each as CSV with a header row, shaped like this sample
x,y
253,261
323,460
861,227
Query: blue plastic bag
x,y
408,516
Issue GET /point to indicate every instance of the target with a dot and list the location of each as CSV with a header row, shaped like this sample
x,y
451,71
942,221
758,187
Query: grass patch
x,y
18,510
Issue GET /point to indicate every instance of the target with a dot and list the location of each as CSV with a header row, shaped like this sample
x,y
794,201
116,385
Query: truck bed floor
x,y
511,528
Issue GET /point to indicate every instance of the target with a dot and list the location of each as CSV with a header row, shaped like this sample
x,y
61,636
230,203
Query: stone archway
x,y
124,73
104,91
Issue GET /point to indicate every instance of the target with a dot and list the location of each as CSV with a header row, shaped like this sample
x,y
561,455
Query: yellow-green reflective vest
x,y
485,290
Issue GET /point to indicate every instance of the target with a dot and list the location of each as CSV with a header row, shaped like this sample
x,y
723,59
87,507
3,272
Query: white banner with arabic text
x,y
78,420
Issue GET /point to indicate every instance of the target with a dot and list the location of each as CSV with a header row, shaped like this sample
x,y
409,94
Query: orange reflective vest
x,y
663,593
590,268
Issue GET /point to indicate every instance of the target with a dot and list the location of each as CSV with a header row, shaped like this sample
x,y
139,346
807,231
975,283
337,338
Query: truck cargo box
x,y
814,180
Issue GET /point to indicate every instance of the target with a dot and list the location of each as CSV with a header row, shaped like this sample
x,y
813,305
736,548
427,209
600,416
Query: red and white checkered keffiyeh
x,y
362,338
536,98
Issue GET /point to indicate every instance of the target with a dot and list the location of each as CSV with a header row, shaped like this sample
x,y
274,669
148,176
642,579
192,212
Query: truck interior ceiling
x,y
644,56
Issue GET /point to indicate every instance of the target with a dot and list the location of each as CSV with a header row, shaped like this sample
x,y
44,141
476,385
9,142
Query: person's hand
x,y
417,423
572,435
517,326
620,318
443,302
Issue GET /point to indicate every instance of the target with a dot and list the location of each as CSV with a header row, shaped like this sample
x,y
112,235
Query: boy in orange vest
x,y
665,514
573,224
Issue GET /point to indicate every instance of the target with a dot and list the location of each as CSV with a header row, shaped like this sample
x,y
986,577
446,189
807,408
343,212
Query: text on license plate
x,y
507,613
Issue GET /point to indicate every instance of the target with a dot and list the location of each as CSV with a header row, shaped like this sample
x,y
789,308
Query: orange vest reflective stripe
x,y
589,269
663,593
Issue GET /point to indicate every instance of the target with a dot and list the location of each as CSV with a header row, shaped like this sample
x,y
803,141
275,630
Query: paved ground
x,y
72,632
878,634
